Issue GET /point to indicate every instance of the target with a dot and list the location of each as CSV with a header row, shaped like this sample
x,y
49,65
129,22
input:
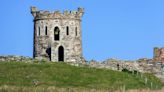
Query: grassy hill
x,y
41,77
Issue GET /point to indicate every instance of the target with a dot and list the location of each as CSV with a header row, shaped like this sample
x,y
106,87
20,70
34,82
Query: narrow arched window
x,y
76,31
56,33
39,31
67,29
46,30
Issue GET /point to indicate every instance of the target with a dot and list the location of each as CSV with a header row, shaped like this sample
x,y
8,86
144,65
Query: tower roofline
x,y
42,14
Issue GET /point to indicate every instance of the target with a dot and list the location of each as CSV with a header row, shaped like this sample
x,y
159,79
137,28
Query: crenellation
x,y
73,12
41,14
81,10
33,11
66,12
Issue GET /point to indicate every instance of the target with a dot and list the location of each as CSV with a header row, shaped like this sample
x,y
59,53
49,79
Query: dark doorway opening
x,y
61,53
48,51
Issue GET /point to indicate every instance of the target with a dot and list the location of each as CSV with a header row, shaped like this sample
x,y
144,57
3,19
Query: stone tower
x,y
159,54
57,36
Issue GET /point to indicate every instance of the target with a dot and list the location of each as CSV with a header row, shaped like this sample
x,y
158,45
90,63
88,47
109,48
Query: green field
x,y
61,75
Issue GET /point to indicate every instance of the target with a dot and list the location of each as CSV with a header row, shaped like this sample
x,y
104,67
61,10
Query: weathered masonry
x,y
159,54
57,36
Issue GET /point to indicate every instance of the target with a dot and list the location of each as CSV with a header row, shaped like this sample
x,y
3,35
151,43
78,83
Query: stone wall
x,y
141,65
14,58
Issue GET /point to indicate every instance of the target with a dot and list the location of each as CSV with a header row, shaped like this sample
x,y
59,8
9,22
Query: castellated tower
x,y
57,36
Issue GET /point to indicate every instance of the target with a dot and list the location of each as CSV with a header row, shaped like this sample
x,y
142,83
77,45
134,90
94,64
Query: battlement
x,y
41,14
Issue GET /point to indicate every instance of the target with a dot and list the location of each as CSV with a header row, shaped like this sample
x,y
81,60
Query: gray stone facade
x,y
57,36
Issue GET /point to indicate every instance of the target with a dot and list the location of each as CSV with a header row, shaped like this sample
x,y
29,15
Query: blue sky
x,y
124,29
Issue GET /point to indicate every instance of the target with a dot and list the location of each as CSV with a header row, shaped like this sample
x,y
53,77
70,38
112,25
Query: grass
x,y
63,76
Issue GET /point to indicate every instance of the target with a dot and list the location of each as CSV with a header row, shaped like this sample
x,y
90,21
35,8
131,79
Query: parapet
x,y
40,14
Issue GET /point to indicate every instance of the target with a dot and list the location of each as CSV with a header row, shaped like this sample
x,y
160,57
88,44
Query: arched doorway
x,y
48,51
61,53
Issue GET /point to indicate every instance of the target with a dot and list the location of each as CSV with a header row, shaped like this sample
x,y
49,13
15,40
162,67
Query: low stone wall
x,y
142,66
15,58
138,66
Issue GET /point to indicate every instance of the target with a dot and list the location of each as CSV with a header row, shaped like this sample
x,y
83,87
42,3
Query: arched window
x,y
67,29
39,31
56,33
46,30
76,31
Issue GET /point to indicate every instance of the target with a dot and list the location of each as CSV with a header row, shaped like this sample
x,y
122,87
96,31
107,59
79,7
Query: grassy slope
x,y
64,75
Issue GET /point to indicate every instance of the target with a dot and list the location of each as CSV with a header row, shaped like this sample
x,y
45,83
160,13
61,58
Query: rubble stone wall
x,y
10,58
139,66
142,66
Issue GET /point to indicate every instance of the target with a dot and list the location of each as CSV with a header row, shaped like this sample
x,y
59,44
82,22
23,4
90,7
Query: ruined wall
x,y
140,65
69,29
159,54
14,58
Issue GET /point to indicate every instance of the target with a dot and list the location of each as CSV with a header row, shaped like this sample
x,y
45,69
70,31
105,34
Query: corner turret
x,y
81,11
33,11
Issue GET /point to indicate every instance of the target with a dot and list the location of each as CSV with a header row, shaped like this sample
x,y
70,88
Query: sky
x,y
123,29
